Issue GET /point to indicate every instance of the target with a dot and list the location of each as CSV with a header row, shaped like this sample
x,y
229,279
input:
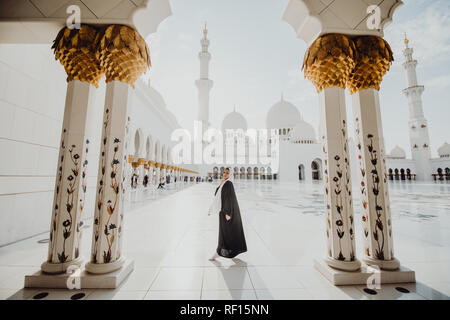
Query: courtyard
x,y
170,237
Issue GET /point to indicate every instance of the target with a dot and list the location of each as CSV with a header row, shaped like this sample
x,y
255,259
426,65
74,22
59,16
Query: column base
x,y
56,268
344,278
343,265
86,280
102,268
389,265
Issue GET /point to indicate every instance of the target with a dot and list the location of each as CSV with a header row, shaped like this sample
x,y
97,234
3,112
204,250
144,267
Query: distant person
x,y
134,180
161,183
231,233
145,182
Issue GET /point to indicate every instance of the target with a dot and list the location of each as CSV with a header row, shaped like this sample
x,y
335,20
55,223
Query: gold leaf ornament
x,y
373,60
123,54
75,50
329,61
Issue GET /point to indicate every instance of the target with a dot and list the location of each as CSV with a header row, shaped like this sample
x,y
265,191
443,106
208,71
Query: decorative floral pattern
x,y
98,208
111,189
374,194
82,199
59,179
378,229
340,224
364,195
67,189
110,228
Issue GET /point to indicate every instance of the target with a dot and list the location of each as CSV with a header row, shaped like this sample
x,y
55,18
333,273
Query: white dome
x,y
397,153
444,150
303,132
234,120
283,115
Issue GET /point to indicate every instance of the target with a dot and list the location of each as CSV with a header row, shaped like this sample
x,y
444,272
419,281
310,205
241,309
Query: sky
x,y
256,57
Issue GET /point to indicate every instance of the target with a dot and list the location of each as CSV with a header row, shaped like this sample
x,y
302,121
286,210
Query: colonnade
x,y
333,63
154,170
243,173
120,54
88,54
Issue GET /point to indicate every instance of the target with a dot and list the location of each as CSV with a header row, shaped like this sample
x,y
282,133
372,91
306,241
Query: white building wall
x,y
32,97
401,164
440,163
292,155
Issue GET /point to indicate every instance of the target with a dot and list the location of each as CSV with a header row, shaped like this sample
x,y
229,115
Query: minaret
x,y
418,126
204,84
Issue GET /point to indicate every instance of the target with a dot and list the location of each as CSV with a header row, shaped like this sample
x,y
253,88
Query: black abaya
x,y
231,233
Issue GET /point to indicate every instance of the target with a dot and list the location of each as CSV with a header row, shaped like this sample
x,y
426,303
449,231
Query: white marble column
x,y
164,172
70,187
375,205
338,188
158,174
150,174
141,170
106,255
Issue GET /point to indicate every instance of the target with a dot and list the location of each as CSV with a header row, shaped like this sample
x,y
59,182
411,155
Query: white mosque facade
x,y
32,94
300,149
421,166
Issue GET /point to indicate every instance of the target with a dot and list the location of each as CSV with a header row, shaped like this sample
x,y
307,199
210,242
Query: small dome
x,y
234,120
283,115
444,150
397,153
303,133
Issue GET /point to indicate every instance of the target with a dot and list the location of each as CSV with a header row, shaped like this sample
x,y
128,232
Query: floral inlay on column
x,y
75,49
123,54
327,64
373,61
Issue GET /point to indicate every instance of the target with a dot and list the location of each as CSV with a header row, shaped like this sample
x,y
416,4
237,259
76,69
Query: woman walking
x,y
231,233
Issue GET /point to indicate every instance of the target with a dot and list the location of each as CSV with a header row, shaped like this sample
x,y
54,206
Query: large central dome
x,y
303,133
234,120
283,115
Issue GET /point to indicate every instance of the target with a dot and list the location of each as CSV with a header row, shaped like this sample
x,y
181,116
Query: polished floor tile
x,y
116,295
139,280
226,278
178,278
228,294
283,294
273,278
169,236
173,295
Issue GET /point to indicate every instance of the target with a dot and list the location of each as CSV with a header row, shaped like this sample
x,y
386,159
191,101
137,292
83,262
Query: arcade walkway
x,y
170,239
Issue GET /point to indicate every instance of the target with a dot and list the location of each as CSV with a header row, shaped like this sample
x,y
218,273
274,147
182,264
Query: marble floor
x,y
170,237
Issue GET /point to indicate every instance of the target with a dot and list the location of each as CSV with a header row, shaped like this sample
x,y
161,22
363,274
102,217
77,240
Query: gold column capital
x,y
76,51
123,54
329,61
141,161
373,60
130,159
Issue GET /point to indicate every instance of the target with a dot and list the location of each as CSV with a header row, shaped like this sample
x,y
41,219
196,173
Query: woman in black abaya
x,y
231,233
